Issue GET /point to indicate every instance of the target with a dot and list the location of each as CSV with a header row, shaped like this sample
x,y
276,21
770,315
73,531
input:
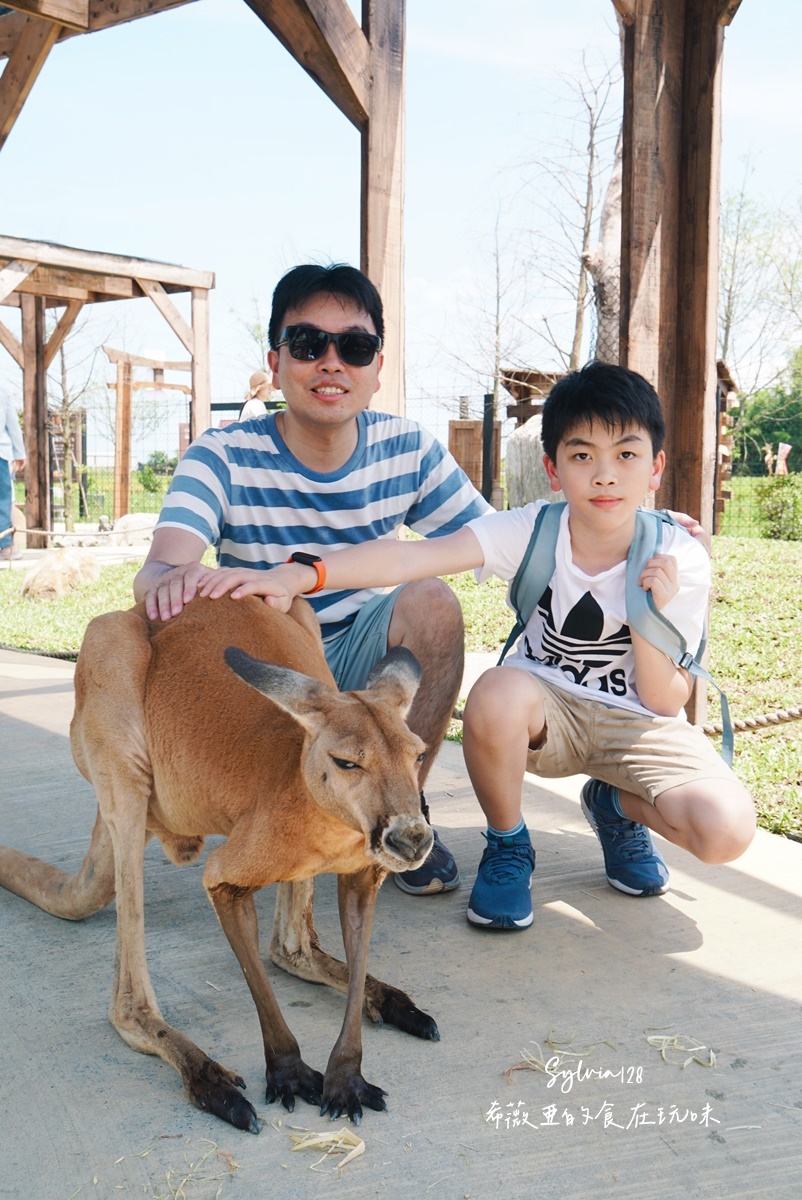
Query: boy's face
x,y
605,474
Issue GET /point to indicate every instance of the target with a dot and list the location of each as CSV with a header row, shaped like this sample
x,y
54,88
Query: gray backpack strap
x,y
647,620
534,574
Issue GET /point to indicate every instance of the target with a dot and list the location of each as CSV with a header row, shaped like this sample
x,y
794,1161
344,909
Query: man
x,y
12,459
322,474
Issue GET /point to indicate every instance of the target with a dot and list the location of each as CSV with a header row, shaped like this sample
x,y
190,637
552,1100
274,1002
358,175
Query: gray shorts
x,y
354,654
641,754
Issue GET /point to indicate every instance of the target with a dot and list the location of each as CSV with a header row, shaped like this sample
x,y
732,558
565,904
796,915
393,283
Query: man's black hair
x,y
299,285
602,392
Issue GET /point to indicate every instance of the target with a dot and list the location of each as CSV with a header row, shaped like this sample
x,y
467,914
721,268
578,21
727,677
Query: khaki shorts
x,y
641,754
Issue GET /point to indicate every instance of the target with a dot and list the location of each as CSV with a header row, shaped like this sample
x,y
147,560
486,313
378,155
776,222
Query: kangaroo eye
x,y
345,764
421,757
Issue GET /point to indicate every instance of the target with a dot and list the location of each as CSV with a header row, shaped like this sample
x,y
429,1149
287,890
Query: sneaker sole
x,y
615,883
503,924
432,888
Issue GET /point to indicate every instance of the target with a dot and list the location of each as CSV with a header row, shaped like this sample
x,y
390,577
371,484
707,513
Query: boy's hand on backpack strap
x,y
660,576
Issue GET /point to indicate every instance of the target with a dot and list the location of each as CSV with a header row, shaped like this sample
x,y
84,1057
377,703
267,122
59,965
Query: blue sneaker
x,y
630,860
501,895
437,874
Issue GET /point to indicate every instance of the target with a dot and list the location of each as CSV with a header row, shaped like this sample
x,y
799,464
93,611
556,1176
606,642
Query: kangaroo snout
x,y
408,838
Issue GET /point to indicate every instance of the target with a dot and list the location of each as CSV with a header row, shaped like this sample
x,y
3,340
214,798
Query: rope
x,y
67,655
76,533
781,717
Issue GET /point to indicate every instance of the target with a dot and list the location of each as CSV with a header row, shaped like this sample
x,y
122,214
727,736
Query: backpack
x,y
536,569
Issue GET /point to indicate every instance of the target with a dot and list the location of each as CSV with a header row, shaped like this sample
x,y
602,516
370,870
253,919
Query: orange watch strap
x,y
321,576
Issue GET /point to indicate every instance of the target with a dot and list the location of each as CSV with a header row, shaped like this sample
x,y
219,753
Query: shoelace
x,y
631,841
506,863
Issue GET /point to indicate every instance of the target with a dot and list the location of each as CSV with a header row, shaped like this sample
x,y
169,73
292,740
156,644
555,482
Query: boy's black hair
x,y
615,396
300,284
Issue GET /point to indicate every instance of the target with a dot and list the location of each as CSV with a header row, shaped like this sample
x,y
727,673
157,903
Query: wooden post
x,y
488,428
693,442
650,193
200,417
670,214
122,440
382,217
37,442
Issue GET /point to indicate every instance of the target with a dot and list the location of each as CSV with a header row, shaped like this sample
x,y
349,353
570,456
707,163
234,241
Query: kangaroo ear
x,y
297,694
396,678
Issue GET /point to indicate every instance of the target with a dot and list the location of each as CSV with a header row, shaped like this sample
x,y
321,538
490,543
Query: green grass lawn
x,y
755,632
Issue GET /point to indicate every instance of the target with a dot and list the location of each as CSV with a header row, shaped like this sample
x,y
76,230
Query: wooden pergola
x,y
672,115
360,68
35,276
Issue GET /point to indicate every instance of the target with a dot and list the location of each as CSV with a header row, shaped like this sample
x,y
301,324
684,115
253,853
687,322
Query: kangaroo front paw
x,y
214,1089
293,1079
347,1094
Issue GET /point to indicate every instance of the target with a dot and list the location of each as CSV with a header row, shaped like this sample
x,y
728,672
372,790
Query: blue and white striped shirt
x,y
243,491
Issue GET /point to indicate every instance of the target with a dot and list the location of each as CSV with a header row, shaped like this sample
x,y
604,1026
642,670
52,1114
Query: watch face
x,y
306,560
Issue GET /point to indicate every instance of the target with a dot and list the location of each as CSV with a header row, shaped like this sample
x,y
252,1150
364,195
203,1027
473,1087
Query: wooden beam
x,y
158,385
122,441
200,415
728,9
625,10
137,360
324,37
22,69
65,324
116,265
73,13
11,26
382,224
37,442
102,15
58,284
169,311
13,274
11,344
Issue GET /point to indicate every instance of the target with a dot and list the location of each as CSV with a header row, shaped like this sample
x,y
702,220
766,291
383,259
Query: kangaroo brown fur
x,y
300,778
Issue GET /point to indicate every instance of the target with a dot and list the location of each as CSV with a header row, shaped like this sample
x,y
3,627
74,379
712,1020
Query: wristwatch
x,y
311,560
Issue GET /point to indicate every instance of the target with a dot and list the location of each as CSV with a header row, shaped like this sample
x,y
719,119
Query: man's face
x,y
327,392
605,474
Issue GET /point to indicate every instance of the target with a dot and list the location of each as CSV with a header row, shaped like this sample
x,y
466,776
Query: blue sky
x,y
193,137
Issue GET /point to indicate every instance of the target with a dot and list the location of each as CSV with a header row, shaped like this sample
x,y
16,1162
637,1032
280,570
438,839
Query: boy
x,y
581,693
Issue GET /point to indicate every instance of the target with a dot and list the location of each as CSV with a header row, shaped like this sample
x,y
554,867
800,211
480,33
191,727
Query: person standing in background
x,y
12,459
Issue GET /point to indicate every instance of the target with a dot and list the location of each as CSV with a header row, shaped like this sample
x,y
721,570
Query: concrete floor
x,y
716,960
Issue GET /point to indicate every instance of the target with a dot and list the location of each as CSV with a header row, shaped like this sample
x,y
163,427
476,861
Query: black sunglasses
x,y
307,344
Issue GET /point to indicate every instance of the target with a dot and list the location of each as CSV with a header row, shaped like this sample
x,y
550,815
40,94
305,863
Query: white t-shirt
x,y
578,636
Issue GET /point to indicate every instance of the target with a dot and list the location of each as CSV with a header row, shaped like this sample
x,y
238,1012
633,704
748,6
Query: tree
x,y
754,316
256,336
70,390
768,417
566,190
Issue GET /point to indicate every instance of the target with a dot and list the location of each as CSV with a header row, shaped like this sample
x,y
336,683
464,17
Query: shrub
x,y
780,500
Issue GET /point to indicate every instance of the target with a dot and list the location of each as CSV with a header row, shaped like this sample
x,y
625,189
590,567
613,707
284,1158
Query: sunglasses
x,y
307,344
